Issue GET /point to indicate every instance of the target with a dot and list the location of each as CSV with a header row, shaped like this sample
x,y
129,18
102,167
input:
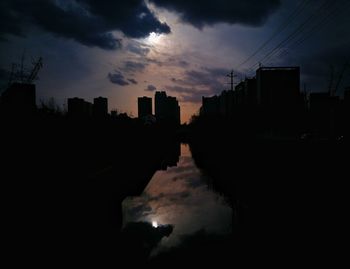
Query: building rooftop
x,y
271,68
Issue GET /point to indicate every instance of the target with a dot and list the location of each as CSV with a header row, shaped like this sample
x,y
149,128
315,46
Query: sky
x,y
123,49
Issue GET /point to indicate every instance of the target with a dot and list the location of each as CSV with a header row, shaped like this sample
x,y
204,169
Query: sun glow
x,y
154,224
154,38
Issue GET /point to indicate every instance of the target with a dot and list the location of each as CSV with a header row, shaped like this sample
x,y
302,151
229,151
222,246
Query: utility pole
x,y
305,96
231,75
331,80
22,67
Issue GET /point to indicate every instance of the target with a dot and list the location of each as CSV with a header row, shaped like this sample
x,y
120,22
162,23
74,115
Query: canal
x,y
179,197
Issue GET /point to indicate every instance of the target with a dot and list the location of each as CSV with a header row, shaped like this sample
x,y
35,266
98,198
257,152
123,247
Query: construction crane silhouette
x,y
22,75
34,73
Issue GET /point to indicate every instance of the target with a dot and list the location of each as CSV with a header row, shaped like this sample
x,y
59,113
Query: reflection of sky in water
x,y
181,197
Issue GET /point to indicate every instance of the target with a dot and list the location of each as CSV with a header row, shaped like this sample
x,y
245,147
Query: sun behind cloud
x,y
154,38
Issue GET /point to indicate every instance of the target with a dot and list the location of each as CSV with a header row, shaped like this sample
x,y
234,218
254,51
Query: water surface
x,y
180,196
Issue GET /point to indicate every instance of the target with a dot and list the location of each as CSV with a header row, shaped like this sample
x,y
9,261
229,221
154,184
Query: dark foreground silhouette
x,y
63,182
290,196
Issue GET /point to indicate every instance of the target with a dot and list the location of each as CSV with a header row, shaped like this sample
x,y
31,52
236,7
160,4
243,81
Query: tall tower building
x,y
144,106
100,107
167,108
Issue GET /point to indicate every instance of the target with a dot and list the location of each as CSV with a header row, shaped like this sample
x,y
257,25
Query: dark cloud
x,y
190,95
170,61
209,77
194,183
138,49
179,197
200,82
132,66
151,88
133,18
173,197
191,178
139,211
133,81
185,194
177,62
183,63
9,21
157,197
117,78
209,12
89,22
154,61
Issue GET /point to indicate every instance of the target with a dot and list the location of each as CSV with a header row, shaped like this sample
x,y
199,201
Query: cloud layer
x,y
92,22
117,78
209,12
195,83
89,22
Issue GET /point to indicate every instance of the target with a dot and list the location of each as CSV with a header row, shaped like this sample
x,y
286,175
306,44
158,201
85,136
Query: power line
x,y
280,29
296,32
307,35
321,24
325,20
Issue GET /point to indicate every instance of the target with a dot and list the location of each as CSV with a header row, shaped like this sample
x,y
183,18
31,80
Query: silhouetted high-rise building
x,y
210,106
19,99
221,105
160,104
246,92
347,96
114,114
323,108
279,99
100,107
144,105
278,86
173,110
319,102
78,107
167,108
226,103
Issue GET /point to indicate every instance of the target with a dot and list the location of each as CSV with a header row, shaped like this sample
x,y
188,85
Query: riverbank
x,y
289,196
63,183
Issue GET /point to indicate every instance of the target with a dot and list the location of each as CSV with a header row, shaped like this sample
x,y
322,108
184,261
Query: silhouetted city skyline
x,y
121,63
274,94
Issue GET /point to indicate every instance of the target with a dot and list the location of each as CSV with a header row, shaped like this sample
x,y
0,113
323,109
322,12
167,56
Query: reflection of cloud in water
x,y
181,197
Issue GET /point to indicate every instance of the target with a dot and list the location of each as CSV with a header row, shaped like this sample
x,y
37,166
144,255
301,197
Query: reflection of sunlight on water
x,y
181,197
185,150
